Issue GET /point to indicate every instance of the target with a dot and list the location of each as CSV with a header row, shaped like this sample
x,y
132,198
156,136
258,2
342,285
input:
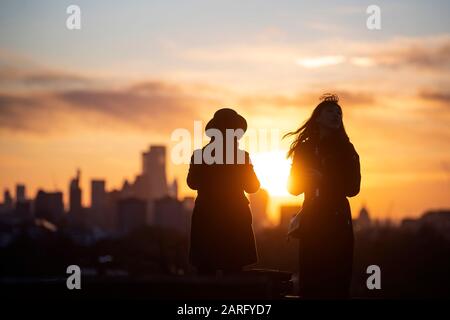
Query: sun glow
x,y
272,169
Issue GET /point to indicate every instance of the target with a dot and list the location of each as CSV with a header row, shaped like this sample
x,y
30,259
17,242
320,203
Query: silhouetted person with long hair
x,y
325,167
221,231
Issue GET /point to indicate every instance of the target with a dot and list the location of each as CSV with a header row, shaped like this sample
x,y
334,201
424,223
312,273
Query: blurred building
x,y
75,207
98,202
173,189
154,171
24,210
171,214
7,204
258,203
111,216
98,194
49,206
132,213
189,203
20,193
151,183
438,220
363,220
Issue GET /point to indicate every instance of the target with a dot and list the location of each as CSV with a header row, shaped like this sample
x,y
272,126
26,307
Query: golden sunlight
x,y
272,169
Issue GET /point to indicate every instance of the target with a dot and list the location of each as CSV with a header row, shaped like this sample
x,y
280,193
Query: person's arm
x,y
296,185
352,180
251,182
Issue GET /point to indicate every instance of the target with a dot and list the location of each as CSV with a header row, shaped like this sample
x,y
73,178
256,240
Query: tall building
x,y
97,212
173,190
7,204
75,207
20,193
49,206
110,221
98,194
154,171
171,214
363,221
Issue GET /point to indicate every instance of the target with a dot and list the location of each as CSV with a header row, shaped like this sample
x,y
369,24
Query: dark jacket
x,y
326,232
221,230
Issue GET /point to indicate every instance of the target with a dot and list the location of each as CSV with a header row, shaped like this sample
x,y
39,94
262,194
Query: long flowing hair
x,y
310,129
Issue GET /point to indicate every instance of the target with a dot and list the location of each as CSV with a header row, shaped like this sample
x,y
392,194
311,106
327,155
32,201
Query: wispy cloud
x,y
148,107
425,53
307,99
434,95
18,74
321,61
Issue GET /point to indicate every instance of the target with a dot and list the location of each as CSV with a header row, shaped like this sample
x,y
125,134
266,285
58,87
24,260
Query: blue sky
x,y
117,30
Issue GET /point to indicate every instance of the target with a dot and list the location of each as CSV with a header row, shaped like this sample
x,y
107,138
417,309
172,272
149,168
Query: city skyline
x,y
148,200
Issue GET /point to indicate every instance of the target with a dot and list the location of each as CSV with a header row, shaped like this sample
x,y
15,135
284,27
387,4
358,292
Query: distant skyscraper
x,y
171,214
20,193
49,206
98,194
154,171
173,192
7,200
363,220
75,207
97,213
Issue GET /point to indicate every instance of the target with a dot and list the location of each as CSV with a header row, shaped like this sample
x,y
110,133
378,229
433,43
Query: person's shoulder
x,y
351,149
349,144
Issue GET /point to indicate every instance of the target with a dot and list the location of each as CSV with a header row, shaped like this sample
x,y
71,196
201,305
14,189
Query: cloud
x,y
149,106
308,99
322,61
431,53
59,79
26,113
18,79
442,97
18,73
417,53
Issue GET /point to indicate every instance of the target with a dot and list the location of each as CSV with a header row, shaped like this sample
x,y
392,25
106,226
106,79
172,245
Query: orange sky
x,y
96,99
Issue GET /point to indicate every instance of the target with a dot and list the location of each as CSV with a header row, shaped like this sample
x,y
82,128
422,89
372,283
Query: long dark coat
x,y
326,232
221,230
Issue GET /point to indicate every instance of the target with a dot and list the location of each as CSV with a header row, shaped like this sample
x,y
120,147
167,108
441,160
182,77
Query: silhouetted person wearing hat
x,y
221,231
325,167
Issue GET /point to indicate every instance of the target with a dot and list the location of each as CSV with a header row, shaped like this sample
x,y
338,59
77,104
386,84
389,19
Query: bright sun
x,y
272,169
